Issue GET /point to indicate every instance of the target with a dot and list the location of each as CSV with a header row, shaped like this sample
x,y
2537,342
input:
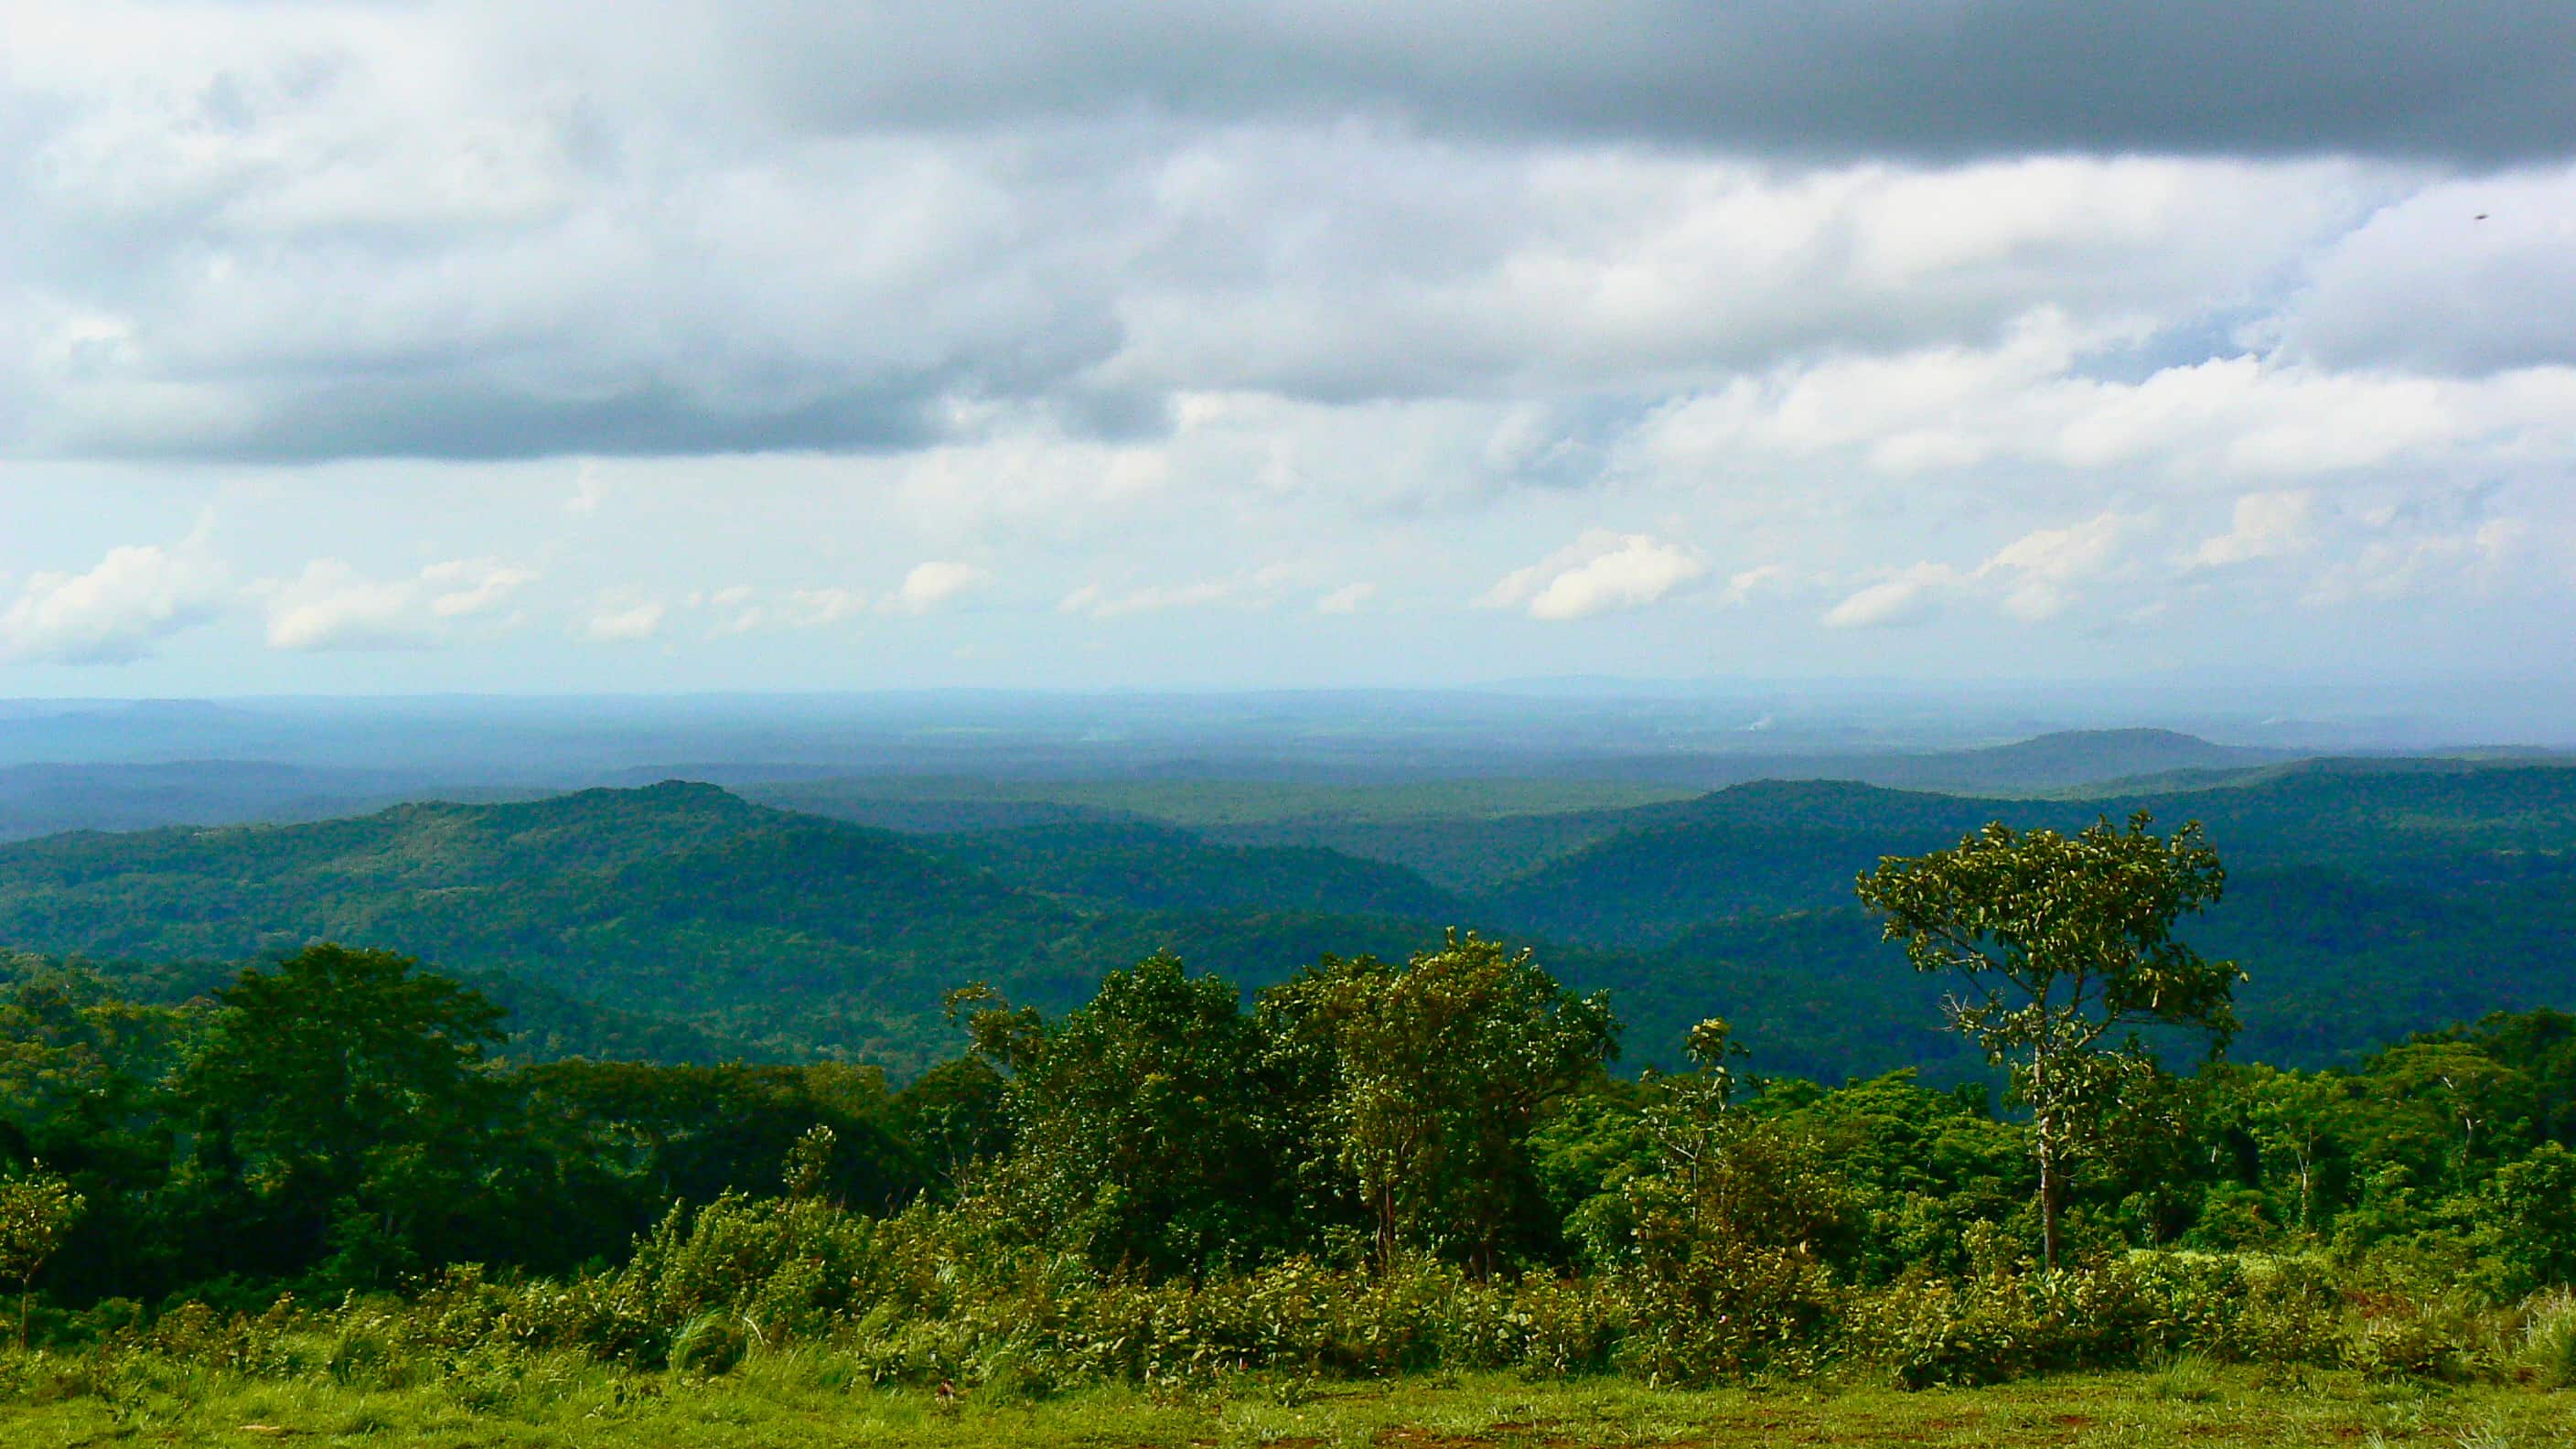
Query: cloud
x,y
1889,306
1345,600
1600,572
745,607
460,588
1908,597
2476,80
1749,584
2035,577
2417,562
332,607
120,611
2029,403
262,240
816,608
620,616
931,584
2043,570
2263,525
2466,277
589,492
1099,603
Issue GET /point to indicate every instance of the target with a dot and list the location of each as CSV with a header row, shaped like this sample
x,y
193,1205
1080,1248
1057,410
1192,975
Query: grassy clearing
x,y
813,1398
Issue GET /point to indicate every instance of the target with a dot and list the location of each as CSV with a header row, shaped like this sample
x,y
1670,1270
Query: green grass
x,y
809,1397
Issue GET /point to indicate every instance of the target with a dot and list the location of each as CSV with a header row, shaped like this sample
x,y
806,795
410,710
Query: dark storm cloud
x,y
468,421
2478,83
675,227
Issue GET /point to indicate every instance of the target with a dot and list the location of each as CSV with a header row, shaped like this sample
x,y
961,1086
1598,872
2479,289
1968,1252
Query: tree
x,y
1429,1077
2063,940
37,1211
2294,1114
343,1090
1138,1121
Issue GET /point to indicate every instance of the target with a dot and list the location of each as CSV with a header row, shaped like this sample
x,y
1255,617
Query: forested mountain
x,y
678,899
682,922
682,901
1777,845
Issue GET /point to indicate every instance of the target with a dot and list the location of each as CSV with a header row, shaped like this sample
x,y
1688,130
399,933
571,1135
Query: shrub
x,y
2548,1353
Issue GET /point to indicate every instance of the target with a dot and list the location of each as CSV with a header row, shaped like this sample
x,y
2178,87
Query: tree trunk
x,y
2047,1199
2044,1131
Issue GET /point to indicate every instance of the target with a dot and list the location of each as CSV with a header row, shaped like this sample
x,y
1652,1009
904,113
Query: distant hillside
x,y
677,898
681,901
2366,901
2338,963
683,921
1147,867
1470,836
2060,761
48,799
1777,846
1767,847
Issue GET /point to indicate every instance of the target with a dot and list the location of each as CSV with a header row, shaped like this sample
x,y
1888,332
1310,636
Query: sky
x,y
781,344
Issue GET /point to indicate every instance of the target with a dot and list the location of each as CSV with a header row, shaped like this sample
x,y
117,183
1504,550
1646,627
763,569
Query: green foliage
x,y
336,1101
37,1210
1146,1124
2063,941
1426,1080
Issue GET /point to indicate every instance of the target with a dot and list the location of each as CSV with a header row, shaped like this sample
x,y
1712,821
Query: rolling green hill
x,y
1775,845
683,903
680,900
680,921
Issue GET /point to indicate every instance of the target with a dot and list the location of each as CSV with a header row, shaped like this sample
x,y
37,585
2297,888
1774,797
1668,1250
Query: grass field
x,y
807,1398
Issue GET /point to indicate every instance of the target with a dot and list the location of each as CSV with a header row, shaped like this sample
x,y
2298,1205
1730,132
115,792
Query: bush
x,y
2548,1353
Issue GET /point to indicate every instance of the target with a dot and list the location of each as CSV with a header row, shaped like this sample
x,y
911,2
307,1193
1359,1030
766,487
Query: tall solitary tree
x,y
2063,941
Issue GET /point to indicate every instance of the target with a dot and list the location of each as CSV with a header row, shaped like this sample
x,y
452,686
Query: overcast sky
x,y
682,344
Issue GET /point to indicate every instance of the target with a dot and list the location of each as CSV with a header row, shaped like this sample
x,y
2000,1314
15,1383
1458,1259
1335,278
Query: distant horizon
x,y
1531,721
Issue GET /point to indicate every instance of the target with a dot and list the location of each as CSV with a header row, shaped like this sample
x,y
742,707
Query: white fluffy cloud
x,y
1746,585
2034,577
1345,600
332,606
816,608
2042,571
2404,562
2263,525
620,616
1097,602
931,584
118,611
1908,596
461,588
1599,572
